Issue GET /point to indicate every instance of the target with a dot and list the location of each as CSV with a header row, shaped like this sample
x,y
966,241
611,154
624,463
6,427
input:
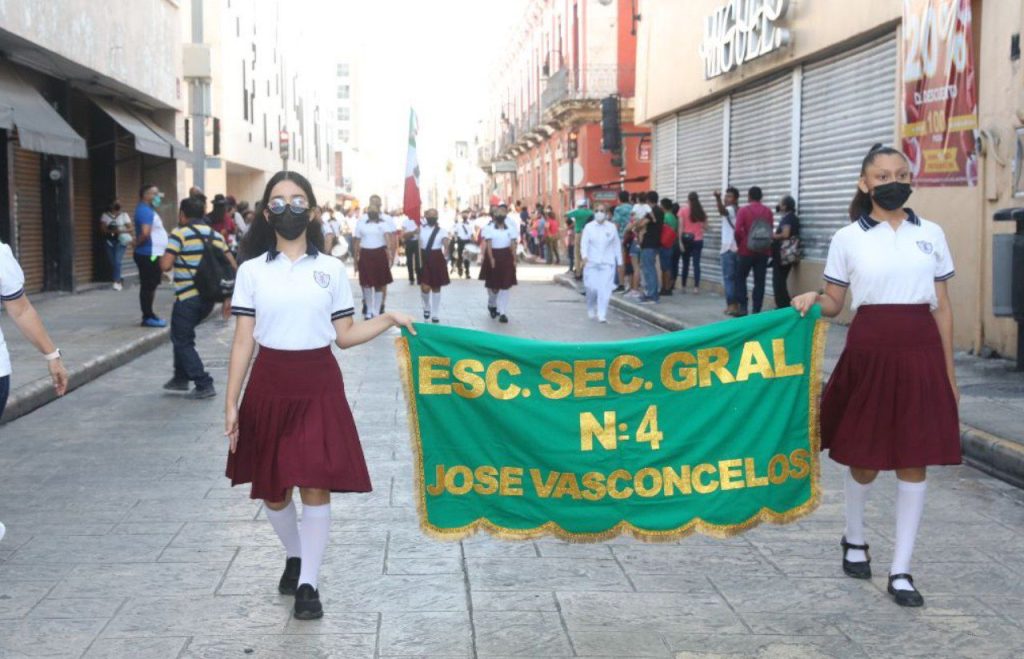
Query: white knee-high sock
x,y
503,301
856,496
909,507
492,298
435,304
378,299
592,302
426,301
285,523
368,300
316,525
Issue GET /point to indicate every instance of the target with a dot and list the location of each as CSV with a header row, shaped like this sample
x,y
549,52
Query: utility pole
x,y
198,75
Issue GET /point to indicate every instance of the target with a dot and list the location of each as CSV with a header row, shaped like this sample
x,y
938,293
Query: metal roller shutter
x,y
83,222
129,179
28,211
665,157
837,129
760,139
699,169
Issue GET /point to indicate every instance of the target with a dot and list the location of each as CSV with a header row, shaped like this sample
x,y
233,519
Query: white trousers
x,y
599,281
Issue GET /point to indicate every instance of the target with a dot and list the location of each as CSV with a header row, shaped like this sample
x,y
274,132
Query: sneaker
x,y
174,384
307,603
502,318
117,286
619,289
200,394
290,578
154,322
591,315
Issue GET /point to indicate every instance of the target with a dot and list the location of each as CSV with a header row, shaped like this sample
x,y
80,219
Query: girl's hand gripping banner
x,y
713,429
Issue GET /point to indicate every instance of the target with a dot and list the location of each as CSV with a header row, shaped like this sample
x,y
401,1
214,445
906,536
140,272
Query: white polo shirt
x,y
599,244
409,224
500,238
373,235
463,231
881,265
12,287
425,232
295,303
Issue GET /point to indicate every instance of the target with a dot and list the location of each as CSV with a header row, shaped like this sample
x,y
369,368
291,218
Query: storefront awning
x,y
146,141
40,127
178,150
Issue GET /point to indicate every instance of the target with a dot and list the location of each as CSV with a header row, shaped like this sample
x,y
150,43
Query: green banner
x,y
712,429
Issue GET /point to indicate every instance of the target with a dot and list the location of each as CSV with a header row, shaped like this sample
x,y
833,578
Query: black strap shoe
x,y
290,578
307,603
905,597
502,318
856,569
493,311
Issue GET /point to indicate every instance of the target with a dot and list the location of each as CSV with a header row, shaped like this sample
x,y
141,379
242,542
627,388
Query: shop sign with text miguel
x,y
740,31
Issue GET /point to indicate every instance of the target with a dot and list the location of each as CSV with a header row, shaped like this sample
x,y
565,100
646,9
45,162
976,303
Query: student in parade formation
x,y
186,250
753,235
463,237
116,231
785,249
411,242
601,254
693,219
891,403
374,246
26,319
434,244
498,270
294,427
150,241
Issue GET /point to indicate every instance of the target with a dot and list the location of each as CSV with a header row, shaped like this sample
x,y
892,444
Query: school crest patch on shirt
x,y
324,279
925,246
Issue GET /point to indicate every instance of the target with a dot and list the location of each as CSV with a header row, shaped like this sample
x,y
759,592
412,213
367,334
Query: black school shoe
x,y
502,318
290,577
905,597
493,311
175,384
307,603
856,569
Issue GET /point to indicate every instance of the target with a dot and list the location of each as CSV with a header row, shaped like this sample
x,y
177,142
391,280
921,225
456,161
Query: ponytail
x,y
861,203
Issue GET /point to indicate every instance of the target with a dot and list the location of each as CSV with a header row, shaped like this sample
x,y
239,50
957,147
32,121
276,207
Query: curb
x,y
34,395
998,457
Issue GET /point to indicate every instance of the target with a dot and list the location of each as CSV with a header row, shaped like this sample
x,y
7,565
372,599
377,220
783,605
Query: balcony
x,y
591,83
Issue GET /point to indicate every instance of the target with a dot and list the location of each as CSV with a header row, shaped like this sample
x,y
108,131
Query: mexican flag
x,y
412,204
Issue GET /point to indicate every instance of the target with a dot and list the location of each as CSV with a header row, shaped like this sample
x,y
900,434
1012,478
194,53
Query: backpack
x,y
214,277
760,237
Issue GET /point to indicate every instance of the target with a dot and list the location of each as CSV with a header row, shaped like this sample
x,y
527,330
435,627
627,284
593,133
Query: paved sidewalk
x,y
991,392
97,331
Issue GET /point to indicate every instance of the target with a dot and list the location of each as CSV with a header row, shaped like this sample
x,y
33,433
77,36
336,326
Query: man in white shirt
x,y
411,241
727,208
601,256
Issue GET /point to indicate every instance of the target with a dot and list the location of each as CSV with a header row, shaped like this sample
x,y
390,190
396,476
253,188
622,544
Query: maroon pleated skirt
x,y
503,275
435,270
889,403
295,427
374,268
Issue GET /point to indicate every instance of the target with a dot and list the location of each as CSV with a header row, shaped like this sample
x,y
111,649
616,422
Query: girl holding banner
x,y
499,262
891,403
433,243
294,427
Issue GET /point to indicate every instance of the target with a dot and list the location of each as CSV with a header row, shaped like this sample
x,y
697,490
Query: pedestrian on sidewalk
x,y
186,250
553,232
294,427
669,254
621,217
411,243
693,219
116,230
650,227
374,244
26,319
498,270
434,276
785,249
570,244
891,403
728,252
754,245
580,216
150,242
463,237
602,255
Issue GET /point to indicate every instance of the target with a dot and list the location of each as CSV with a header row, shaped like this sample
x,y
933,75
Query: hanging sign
x,y
740,31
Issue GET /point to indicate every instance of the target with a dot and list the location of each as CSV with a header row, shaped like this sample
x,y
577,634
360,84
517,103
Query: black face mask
x,y
892,196
290,225
431,221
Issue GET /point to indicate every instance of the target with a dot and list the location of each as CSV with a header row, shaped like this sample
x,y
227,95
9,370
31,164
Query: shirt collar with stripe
x,y
867,223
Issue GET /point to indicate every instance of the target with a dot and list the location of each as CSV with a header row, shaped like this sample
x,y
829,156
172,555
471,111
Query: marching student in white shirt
x,y
433,242
21,311
463,232
891,403
602,255
294,427
411,242
499,262
374,245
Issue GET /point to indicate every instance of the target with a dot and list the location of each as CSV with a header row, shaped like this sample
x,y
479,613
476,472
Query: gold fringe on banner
x,y
820,334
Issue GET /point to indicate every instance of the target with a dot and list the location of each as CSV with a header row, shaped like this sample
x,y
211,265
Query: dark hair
x,y
623,196
733,191
861,203
675,209
666,203
261,237
652,197
144,188
787,203
755,194
697,213
114,205
193,207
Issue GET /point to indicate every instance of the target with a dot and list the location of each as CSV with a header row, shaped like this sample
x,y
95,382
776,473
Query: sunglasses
x,y
277,205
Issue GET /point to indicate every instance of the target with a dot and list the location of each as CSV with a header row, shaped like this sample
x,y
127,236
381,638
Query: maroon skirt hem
x,y
434,272
374,268
889,403
503,275
295,428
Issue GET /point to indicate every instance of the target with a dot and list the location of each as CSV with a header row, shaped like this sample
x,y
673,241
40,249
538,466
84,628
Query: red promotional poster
x,y
940,92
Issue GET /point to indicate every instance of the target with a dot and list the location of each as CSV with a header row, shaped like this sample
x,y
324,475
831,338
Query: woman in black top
x,y
787,229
